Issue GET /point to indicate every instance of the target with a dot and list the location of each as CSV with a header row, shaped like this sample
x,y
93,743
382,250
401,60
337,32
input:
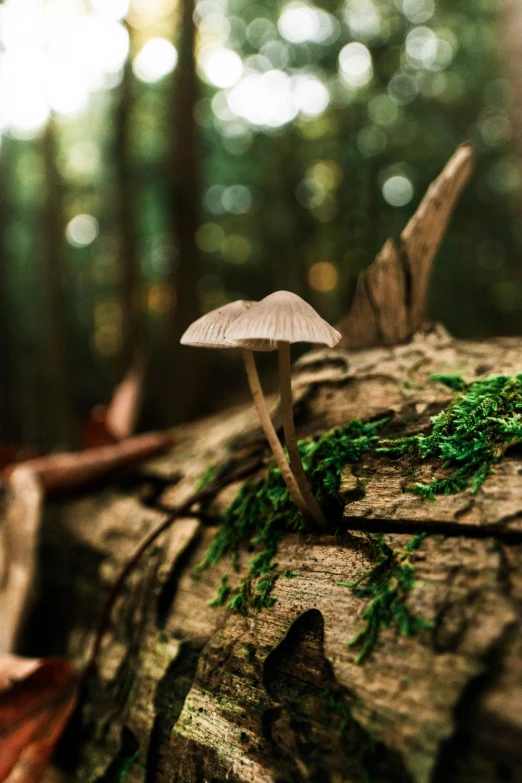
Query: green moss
x,y
262,512
454,382
126,767
470,436
207,477
222,593
387,585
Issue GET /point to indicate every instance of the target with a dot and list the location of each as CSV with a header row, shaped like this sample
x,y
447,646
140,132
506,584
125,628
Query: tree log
x,y
190,692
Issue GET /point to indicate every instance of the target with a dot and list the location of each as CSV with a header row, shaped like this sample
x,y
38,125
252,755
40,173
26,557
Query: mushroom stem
x,y
271,435
285,387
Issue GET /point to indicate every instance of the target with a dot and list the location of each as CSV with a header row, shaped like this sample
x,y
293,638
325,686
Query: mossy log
x,y
191,692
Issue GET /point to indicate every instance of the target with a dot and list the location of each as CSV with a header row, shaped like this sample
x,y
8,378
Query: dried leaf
x,y
122,413
36,700
94,432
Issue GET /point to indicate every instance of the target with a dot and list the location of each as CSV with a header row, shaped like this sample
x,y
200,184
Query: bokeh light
x,y
82,230
209,237
417,11
157,58
425,49
403,89
235,249
221,67
161,298
54,55
397,190
273,98
311,95
300,22
355,62
116,10
323,276
371,141
363,19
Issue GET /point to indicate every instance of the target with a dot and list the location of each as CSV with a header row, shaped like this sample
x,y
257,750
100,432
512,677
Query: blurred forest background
x,y
161,157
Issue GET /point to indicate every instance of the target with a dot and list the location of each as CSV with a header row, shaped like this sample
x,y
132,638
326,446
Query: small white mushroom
x,y
275,322
209,332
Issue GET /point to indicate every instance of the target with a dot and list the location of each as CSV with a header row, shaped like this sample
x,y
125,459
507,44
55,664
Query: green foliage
x,y
454,382
263,512
207,477
222,593
387,585
469,436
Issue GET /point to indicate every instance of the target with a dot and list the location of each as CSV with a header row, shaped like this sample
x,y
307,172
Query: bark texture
x,y
188,692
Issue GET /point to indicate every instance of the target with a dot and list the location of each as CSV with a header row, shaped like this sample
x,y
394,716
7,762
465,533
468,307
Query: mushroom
x,y
275,322
209,332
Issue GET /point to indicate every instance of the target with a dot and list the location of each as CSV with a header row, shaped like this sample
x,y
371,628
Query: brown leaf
x,y
95,433
59,472
122,413
116,421
36,700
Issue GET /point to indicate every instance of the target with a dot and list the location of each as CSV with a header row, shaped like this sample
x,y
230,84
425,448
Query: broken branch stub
x,y
389,305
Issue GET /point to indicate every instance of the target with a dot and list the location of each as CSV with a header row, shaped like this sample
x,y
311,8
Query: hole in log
x,y
310,728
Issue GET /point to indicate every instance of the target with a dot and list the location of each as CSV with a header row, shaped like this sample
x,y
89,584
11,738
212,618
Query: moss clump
x,y
387,585
469,436
207,477
222,593
453,382
262,512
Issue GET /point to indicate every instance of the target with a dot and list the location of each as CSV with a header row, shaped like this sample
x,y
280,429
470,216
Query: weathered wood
x,y
201,693
391,296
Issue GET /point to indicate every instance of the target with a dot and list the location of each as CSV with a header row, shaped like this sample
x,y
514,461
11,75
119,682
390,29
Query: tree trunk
x,y
127,253
60,396
511,37
183,394
8,420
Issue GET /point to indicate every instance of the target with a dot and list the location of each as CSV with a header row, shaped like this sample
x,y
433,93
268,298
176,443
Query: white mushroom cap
x,y
280,317
209,330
